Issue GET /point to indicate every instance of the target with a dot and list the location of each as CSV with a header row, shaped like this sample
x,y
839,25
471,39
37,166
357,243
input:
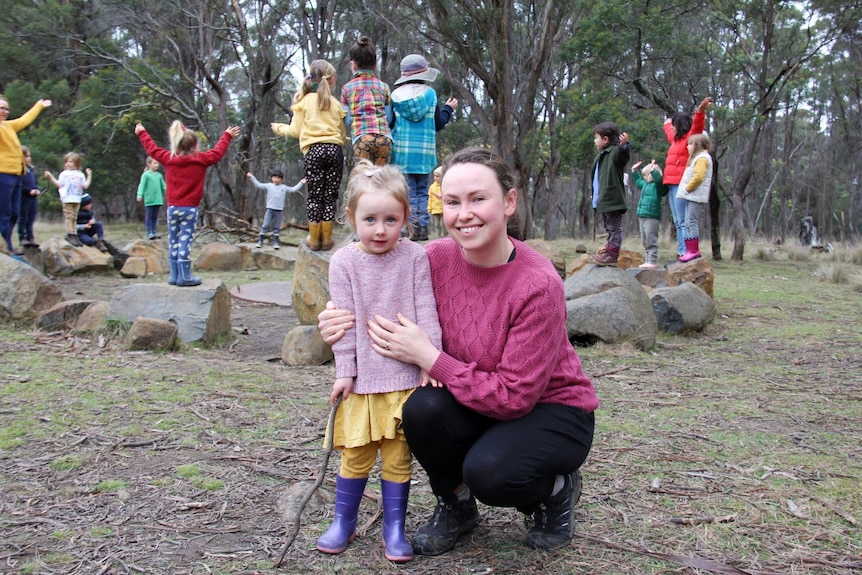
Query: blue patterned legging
x,y
181,232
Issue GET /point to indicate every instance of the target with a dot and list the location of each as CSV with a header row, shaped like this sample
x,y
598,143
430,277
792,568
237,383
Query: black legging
x,y
505,463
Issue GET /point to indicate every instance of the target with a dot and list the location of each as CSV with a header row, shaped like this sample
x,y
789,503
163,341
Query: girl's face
x,y
69,165
28,160
690,148
601,142
476,209
378,220
4,109
153,165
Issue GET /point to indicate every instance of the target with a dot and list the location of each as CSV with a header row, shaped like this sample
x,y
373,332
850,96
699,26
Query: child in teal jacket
x,y
649,180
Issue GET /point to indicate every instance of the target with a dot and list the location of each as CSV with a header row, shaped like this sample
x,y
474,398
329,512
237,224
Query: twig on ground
x,y
320,476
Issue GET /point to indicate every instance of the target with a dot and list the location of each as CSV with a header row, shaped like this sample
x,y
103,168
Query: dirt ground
x,y
207,478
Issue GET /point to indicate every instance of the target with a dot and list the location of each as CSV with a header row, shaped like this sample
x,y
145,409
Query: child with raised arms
x,y
185,170
361,274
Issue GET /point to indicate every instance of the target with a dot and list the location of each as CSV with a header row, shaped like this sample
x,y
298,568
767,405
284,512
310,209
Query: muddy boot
x,y
326,236
607,256
74,240
313,238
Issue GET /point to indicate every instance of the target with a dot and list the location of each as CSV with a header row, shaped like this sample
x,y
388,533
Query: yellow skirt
x,y
362,419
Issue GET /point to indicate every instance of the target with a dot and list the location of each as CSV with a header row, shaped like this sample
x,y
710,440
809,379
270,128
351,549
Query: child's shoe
x,y
607,256
74,240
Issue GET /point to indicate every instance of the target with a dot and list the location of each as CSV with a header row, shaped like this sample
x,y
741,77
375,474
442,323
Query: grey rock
x,y
682,308
151,334
607,304
24,292
202,313
63,314
303,345
310,284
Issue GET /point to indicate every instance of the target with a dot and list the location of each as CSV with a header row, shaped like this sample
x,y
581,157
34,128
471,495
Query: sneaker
x,y
74,240
552,524
451,519
648,266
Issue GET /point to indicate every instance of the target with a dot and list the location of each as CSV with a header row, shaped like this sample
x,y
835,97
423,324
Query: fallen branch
x,y
320,476
702,520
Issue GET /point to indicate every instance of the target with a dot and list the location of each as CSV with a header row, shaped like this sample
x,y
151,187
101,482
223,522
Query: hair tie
x,y
315,86
372,172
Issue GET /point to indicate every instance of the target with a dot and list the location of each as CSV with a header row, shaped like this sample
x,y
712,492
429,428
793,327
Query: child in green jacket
x,y
649,180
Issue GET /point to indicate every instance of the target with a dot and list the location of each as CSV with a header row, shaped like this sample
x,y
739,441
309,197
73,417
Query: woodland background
x,y
532,79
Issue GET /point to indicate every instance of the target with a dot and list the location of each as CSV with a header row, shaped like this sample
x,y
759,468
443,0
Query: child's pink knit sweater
x,y
369,285
505,344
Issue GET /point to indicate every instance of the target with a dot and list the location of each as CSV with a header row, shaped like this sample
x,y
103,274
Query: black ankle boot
x,y
552,524
451,519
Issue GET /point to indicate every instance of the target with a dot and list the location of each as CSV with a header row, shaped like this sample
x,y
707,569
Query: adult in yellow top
x,y
12,162
318,122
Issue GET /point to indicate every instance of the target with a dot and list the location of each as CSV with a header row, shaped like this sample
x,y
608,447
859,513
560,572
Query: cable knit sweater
x,y
185,174
369,285
505,344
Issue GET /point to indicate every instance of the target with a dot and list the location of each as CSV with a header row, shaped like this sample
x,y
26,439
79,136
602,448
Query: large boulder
x,y
310,284
219,256
24,292
682,308
155,252
60,258
93,318
699,272
202,313
134,267
607,304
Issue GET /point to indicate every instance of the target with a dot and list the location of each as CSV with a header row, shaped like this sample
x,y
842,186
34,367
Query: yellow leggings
x,y
356,462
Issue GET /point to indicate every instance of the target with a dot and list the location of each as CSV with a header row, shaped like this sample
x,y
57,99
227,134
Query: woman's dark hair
x,y
681,123
364,54
608,130
483,157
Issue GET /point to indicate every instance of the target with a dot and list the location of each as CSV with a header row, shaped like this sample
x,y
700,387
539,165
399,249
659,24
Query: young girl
x,y
151,191
694,189
185,169
29,202
318,122
375,387
609,193
71,183
648,180
435,204
366,99
677,128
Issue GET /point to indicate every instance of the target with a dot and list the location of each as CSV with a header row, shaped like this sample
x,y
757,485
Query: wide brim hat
x,y
414,67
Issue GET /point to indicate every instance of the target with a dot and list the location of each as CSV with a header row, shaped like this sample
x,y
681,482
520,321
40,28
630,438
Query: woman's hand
x,y
139,127
425,379
233,131
342,387
404,341
332,323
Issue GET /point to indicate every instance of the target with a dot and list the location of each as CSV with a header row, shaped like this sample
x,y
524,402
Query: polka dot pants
x,y
324,164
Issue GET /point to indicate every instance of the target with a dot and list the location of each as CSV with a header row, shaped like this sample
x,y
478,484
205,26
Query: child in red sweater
x,y
185,169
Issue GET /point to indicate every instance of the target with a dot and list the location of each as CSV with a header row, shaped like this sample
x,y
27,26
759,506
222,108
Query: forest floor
x,y
734,450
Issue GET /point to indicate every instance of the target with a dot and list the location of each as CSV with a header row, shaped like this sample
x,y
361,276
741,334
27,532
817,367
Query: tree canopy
x,y
533,79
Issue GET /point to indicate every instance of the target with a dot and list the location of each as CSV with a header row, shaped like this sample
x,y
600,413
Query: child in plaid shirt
x,y
365,98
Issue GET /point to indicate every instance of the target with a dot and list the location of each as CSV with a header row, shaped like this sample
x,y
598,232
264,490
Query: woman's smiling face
x,y
476,209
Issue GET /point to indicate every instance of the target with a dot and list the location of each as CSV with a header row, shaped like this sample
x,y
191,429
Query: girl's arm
x,y
89,179
211,157
698,175
52,179
297,121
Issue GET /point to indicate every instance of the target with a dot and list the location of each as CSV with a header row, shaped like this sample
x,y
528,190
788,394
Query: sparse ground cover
x,y
736,450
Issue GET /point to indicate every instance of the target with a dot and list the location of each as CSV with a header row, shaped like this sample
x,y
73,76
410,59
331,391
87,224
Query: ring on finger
x,y
386,345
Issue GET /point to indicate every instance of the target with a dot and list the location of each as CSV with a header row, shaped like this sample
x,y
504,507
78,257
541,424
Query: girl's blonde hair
x,y
73,157
699,142
365,177
182,141
317,81
647,171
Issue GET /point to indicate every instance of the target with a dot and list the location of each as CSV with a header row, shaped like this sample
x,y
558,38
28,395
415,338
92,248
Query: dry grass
x,y
733,450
